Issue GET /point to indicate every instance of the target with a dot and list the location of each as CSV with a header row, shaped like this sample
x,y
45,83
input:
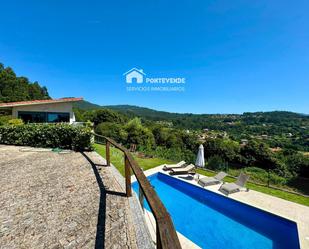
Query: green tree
x,y
13,88
160,134
139,135
216,162
112,130
227,149
297,163
37,92
103,115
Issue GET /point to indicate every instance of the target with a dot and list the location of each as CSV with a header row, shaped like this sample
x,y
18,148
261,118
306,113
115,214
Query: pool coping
x,y
302,226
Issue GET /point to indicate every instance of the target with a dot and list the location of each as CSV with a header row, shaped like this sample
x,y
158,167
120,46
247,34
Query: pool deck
x,y
290,210
65,200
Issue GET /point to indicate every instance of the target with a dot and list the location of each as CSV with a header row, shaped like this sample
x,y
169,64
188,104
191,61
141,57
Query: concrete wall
x,y
53,107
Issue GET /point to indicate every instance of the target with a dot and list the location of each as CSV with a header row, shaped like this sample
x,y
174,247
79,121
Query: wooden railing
x,y
166,234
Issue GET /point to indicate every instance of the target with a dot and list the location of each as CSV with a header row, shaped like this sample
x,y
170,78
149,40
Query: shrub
x,y
103,115
216,162
138,134
260,175
4,119
277,180
112,130
60,135
174,154
15,121
9,120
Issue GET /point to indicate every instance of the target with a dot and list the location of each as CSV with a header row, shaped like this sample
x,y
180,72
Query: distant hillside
x,y
200,120
142,112
147,113
212,121
129,110
86,105
279,128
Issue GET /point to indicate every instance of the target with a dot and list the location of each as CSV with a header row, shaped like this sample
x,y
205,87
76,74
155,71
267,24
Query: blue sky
x,y
236,55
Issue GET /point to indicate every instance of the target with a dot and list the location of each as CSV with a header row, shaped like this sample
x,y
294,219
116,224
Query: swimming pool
x,y
211,220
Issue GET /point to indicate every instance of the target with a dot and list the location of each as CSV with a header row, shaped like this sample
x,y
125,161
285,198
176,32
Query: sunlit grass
x,y
117,159
274,192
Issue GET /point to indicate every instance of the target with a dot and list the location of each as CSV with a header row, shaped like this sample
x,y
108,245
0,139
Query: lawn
x,y
147,163
278,193
117,159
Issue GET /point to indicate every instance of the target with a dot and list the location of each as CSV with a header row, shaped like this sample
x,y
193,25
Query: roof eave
x,y
41,103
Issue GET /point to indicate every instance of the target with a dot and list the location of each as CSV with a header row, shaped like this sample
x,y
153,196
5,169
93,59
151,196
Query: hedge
x,y
60,135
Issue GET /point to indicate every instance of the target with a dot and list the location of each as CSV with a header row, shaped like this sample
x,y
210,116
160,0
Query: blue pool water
x,y
214,221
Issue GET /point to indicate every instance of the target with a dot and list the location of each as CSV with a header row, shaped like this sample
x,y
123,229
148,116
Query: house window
x,y
44,117
32,117
58,117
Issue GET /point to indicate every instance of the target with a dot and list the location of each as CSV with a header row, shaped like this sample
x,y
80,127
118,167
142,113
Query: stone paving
x,y
52,200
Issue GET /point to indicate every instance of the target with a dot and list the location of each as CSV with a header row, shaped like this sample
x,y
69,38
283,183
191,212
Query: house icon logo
x,y
135,75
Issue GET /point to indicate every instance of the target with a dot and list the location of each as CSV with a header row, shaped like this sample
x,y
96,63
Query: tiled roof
x,y
37,102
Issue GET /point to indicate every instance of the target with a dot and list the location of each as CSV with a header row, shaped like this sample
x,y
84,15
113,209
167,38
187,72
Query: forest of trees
x,y
284,129
13,88
157,138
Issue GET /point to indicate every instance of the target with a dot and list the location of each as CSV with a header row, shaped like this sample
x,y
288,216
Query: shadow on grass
x,y
100,234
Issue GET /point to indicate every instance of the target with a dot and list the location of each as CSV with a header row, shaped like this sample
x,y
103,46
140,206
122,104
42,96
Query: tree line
x,y
155,138
284,129
14,88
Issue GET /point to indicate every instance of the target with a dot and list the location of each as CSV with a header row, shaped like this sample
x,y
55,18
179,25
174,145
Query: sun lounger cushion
x,y
232,187
185,170
206,181
171,166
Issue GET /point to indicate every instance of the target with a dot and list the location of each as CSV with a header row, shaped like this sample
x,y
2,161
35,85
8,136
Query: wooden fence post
x,y
108,160
127,175
166,234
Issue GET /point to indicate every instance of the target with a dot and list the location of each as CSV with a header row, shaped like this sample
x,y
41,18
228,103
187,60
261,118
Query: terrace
x,y
65,200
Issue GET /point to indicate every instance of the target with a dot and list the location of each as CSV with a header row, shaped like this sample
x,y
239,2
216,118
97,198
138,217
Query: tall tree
x,y
13,88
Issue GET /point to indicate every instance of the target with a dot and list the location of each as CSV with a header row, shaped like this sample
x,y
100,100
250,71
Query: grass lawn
x,y
117,159
147,163
278,193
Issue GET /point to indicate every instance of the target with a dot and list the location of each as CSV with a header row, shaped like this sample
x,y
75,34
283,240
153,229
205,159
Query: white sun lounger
x,y
182,171
234,187
207,181
174,166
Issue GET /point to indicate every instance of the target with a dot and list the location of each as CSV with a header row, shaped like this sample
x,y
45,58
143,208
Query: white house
x,y
42,111
134,75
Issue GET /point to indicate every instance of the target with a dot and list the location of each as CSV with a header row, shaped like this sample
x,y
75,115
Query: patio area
x,y
65,200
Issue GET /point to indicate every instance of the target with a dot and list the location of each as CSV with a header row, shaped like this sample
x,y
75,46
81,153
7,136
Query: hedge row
x,y
61,135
